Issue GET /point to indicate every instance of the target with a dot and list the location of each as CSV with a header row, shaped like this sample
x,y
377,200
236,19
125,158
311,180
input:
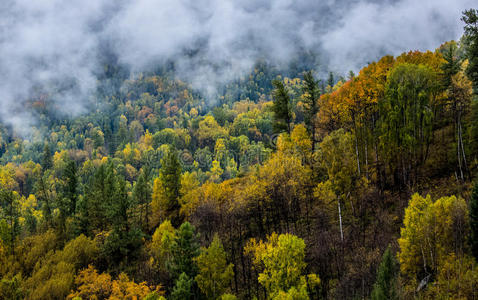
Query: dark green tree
x,y
71,185
100,196
46,161
9,213
311,94
385,286
68,194
123,243
43,192
142,197
183,288
470,17
474,221
331,80
170,177
452,64
183,251
281,108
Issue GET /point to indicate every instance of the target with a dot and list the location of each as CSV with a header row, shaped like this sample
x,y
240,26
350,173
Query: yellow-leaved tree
x,y
215,273
281,259
432,232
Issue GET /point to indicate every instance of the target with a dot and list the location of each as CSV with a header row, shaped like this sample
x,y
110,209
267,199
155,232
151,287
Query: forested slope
x,y
285,187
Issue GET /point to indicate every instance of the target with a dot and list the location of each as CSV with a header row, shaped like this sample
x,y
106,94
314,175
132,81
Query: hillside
x,y
282,185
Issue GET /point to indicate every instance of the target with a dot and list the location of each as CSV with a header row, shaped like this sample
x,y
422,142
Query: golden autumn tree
x,y
432,231
281,259
215,273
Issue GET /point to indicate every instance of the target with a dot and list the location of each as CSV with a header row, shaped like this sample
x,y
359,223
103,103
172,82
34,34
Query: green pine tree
x,y
142,197
474,221
183,288
170,177
470,17
9,214
331,80
184,249
46,162
452,64
311,98
71,184
385,286
281,108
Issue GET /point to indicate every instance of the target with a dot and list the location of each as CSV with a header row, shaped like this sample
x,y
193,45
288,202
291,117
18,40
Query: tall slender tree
x,y
184,249
474,221
385,286
9,225
170,178
311,94
281,108
470,17
69,189
46,162
142,198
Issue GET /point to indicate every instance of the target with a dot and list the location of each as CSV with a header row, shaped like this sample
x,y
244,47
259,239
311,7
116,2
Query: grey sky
x,y
47,42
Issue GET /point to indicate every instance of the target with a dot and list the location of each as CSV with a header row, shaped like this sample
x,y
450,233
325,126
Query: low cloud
x,y
53,47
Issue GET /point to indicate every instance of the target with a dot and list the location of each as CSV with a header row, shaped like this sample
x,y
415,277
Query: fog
x,y
53,47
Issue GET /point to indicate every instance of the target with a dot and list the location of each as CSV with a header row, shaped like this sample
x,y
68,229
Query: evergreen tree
x,y
46,162
70,188
44,197
183,288
9,213
311,98
331,80
474,221
385,286
470,17
183,251
170,177
123,244
100,196
67,198
281,108
452,64
142,197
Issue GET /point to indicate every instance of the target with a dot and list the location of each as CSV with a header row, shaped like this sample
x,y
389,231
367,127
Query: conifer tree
x,y
474,221
281,108
123,243
331,80
9,225
46,162
183,251
70,188
142,198
170,178
470,17
311,98
183,288
452,64
385,285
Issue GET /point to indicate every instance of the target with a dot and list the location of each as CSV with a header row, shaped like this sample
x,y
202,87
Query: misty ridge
x,y
59,48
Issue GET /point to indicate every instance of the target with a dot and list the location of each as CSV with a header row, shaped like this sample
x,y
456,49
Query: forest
x,y
289,186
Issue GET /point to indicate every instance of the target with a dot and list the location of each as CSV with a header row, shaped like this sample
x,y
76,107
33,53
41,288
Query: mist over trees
x,y
277,181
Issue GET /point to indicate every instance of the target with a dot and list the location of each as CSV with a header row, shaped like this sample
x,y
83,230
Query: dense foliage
x,y
283,188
